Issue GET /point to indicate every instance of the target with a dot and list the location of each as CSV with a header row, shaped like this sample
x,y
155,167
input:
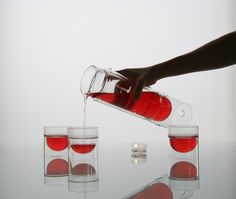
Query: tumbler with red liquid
x,y
83,158
115,90
55,155
184,158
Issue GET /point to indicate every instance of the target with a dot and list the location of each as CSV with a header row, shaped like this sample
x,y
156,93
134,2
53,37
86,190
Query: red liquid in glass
x,y
83,148
183,144
183,170
57,142
150,104
57,167
83,169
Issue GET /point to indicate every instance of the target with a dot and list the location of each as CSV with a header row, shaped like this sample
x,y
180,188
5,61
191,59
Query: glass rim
x,y
82,127
83,132
139,143
183,130
60,130
95,70
59,126
183,126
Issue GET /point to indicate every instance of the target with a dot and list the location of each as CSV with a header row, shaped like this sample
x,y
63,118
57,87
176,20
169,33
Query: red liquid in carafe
x,y
150,104
83,148
183,144
57,142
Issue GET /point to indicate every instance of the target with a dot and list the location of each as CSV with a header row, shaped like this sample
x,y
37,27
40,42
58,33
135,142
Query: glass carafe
x,y
115,90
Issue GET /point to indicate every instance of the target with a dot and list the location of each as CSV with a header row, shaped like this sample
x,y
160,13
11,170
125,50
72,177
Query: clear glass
x,y
138,147
83,155
138,158
113,89
183,158
55,140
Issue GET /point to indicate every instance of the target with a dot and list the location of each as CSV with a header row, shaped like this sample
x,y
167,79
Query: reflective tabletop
x,y
119,173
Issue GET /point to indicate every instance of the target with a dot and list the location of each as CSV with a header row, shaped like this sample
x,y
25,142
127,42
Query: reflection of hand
x,y
140,77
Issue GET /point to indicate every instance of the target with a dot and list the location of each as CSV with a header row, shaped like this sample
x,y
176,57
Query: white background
x,y
46,45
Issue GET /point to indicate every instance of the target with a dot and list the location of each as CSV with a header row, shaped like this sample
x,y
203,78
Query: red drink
x,y
139,195
159,190
183,170
57,142
83,148
83,169
150,104
155,191
183,144
57,167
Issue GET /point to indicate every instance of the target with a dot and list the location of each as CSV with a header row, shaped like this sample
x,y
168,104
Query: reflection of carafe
x,y
113,89
156,189
162,189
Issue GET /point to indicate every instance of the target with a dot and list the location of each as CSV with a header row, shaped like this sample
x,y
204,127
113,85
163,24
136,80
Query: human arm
x,y
216,54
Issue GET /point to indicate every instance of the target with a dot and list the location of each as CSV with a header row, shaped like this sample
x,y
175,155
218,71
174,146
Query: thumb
x,y
138,88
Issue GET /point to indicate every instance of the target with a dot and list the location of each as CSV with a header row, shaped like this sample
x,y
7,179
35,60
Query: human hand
x,y
140,78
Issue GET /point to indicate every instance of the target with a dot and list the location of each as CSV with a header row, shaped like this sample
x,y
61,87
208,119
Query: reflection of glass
x,y
138,155
83,187
57,167
183,170
55,140
83,159
138,158
184,178
113,89
55,170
